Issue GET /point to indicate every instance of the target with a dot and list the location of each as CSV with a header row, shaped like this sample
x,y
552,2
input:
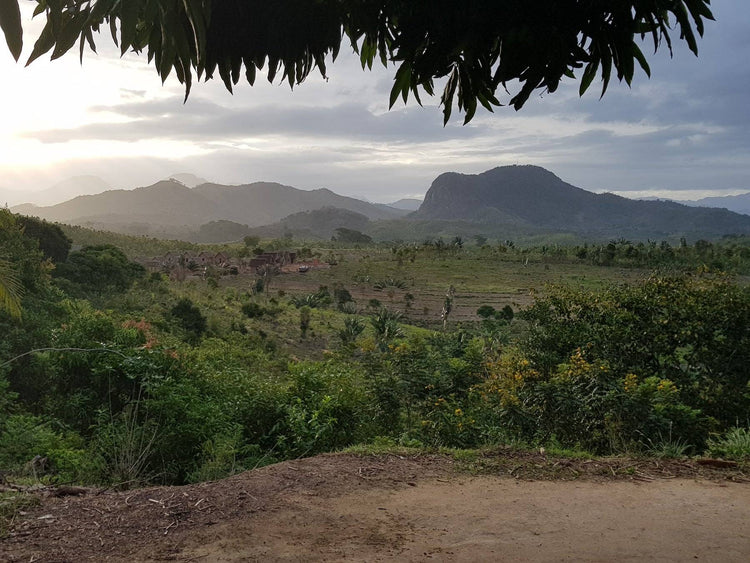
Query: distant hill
x,y
315,224
62,191
169,208
406,204
72,187
737,203
532,197
219,231
190,180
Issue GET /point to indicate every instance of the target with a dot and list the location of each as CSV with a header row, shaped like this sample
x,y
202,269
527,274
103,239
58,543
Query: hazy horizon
x,y
44,196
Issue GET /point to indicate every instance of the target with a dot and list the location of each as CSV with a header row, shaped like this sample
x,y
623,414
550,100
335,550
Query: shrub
x,y
320,298
189,317
690,330
304,321
24,438
390,282
253,310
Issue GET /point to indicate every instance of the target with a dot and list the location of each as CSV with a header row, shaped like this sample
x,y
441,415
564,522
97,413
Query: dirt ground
x,y
503,506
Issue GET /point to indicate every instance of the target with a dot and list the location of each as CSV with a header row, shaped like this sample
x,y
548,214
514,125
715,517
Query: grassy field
x,y
479,278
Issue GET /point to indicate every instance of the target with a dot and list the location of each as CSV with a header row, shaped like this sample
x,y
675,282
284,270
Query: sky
x,y
682,134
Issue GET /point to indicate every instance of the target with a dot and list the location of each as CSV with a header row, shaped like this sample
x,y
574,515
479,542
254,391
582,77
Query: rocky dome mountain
x,y
531,196
171,203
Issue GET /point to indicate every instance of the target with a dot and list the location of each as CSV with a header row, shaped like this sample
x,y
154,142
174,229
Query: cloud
x,y
683,129
205,121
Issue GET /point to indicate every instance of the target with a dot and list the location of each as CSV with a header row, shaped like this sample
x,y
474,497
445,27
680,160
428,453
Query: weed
x,y
390,282
11,504
667,447
735,444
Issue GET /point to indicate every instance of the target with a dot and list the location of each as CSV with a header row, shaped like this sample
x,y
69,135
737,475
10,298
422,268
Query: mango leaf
x,y
45,42
69,34
401,83
10,23
128,21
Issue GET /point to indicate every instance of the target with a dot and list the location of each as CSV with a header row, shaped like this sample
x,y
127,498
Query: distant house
x,y
275,258
205,258
171,258
221,259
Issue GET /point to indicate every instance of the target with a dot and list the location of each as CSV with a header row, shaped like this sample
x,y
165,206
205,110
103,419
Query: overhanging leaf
x,y
10,22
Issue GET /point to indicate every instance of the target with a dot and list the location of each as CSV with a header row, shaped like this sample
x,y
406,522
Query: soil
x,y
500,506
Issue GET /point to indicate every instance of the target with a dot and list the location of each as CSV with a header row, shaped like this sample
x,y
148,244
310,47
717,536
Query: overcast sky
x,y
684,133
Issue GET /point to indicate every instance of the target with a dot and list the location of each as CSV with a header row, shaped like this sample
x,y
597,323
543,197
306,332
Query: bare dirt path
x,y
523,507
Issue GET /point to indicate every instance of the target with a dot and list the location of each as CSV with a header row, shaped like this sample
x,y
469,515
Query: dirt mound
x,y
380,508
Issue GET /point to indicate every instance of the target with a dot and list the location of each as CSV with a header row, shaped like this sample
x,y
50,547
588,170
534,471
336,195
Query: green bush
x,y
327,409
189,317
693,331
25,437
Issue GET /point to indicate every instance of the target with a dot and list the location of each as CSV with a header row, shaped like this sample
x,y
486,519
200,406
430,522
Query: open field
x,y
479,279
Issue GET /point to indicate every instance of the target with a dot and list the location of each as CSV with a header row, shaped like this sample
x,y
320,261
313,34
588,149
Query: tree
x,y
189,317
447,306
479,46
251,241
53,242
98,269
22,265
351,236
385,323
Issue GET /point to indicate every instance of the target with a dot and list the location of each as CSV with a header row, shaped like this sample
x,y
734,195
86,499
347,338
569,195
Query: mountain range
x,y
498,202
171,206
737,203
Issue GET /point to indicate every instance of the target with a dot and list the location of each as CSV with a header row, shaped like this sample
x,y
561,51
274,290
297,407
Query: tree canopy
x,y
53,242
98,269
476,46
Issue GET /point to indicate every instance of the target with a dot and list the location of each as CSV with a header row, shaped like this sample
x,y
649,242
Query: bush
x,y
253,310
61,454
320,298
327,409
693,331
189,317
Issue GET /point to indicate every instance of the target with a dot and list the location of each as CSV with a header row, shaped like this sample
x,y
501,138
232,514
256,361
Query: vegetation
x,y
98,269
493,45
111,376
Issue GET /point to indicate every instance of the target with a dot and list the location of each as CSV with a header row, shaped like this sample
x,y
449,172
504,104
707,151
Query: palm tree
x,y
10,290
386,326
